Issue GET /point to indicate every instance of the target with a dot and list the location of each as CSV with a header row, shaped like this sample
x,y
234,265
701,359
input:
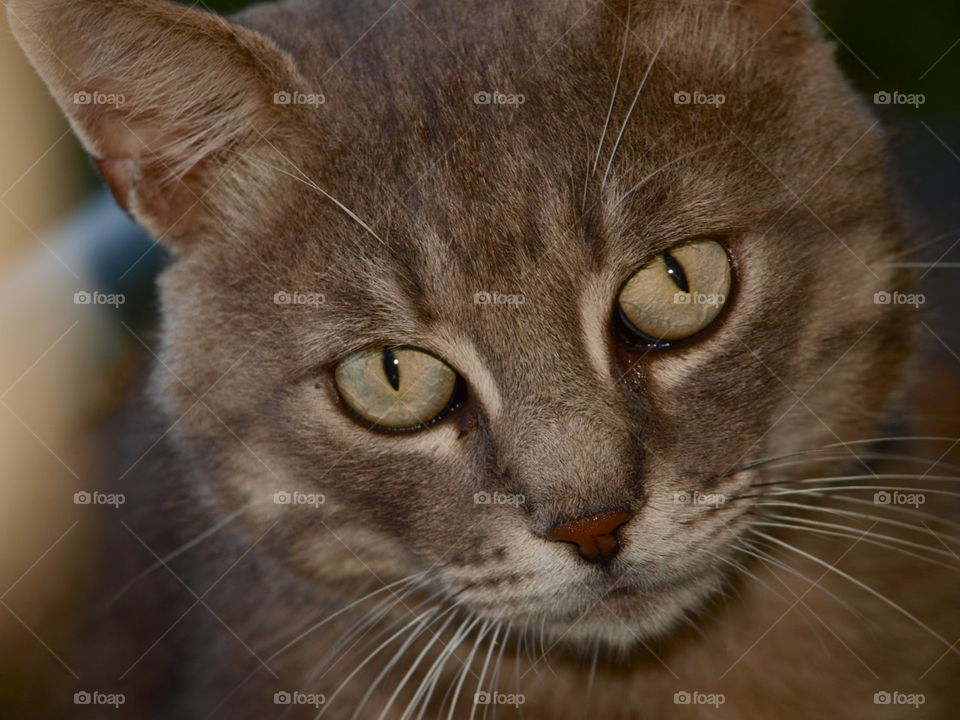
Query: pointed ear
x,y
169,101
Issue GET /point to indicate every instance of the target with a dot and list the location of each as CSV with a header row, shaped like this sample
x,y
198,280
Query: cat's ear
x,y
165,98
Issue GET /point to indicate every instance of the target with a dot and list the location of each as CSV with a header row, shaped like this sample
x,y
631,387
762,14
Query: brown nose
x,y
594,536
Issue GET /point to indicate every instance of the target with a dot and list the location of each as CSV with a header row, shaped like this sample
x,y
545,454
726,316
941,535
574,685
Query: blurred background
x,y
66,361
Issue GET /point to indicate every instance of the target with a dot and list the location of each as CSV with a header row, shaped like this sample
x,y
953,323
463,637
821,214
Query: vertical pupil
x,y
391,368
675,270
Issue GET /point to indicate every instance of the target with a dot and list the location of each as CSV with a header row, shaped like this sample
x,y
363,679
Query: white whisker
x,y
852,533
616,88
859,583
636,97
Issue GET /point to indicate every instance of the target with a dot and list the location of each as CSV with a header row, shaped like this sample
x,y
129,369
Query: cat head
x,y
504,297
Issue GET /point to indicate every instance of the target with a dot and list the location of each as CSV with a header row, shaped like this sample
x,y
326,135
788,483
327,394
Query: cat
x,y
511,359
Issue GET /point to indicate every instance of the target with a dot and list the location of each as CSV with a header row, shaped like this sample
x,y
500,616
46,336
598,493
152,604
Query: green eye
x,y
397,388
677,294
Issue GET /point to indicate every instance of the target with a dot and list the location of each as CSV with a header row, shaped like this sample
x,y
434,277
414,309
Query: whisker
x,y
852,514
462,676
892,508
326,666
636,97
543,650
653,173
417,625
593,673
834,488
922,246
616,88
750,549
483,670
833,446
412,669
339,612
169,557
496,671
847,532
865,456
799,600
311,184
859,583
454,687
387,668
848,478
741,568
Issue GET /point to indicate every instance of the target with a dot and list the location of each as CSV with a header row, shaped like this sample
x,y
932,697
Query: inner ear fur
x,y
173,104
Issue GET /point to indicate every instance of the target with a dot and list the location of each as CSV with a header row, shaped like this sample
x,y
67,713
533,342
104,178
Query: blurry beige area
x,y
48,369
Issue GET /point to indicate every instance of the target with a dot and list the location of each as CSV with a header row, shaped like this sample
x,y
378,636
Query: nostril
x,y
595,536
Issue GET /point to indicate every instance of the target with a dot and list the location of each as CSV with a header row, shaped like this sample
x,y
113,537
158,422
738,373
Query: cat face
x,y
433,320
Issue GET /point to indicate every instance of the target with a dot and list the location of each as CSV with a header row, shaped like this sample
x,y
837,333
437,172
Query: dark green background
x,y
882,44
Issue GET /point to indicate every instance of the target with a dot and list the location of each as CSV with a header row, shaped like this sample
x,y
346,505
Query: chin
x,y
626,618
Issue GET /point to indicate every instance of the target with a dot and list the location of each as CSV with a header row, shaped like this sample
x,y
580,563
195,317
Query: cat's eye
x,y
397,387
678,294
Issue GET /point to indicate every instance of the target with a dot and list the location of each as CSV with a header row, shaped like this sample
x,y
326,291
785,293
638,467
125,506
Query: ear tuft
x,y
163,96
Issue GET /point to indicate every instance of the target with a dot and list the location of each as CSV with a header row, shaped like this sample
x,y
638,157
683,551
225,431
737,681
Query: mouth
x,y
626,587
